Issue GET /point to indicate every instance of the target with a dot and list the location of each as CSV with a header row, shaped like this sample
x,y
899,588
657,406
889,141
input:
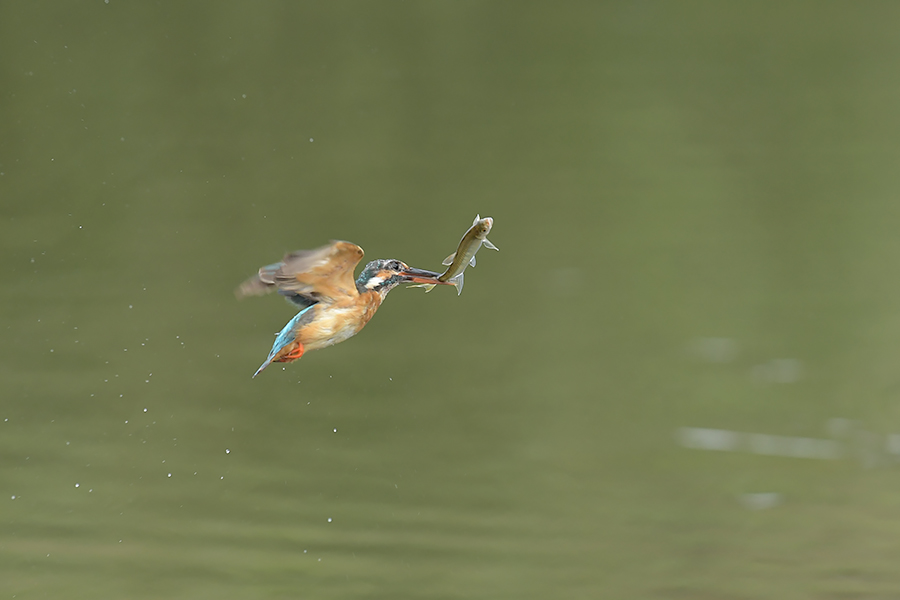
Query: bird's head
x,y
383,274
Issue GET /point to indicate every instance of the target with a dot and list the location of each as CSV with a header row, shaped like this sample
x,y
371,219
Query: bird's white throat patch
x,y
374,282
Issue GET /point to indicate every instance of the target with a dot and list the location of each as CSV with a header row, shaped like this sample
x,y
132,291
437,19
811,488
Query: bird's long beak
x,y
422,276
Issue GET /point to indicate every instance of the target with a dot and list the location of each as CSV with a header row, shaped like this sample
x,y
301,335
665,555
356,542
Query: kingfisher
x,y
333,307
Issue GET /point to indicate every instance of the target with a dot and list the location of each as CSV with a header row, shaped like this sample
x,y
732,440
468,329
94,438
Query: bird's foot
x,y
292,355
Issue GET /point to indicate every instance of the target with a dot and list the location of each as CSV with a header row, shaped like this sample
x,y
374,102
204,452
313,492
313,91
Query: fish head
x,y
482,227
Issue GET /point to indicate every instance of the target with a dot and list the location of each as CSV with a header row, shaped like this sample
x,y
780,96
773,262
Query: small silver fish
x,y
464,256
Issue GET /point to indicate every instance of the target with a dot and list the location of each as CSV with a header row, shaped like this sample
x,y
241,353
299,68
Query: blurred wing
x,y
323,274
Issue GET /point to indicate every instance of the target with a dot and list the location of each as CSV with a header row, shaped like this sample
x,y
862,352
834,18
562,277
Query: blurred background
x,y
677,379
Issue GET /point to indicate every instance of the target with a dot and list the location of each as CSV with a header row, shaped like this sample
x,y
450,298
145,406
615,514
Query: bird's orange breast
x,y
339,321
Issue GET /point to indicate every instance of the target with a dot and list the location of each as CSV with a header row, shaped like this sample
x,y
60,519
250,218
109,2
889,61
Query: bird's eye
x,y
396,266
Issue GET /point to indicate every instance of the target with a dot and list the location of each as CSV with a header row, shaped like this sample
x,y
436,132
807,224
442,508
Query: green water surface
x,y
697,206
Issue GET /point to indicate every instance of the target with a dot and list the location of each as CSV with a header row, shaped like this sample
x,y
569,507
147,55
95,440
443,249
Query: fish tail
x,y
458,282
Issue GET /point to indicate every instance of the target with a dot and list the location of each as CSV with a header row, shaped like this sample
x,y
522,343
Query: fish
x,y
464,256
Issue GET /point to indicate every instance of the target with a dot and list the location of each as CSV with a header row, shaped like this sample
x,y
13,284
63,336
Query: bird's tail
x,y
264,365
